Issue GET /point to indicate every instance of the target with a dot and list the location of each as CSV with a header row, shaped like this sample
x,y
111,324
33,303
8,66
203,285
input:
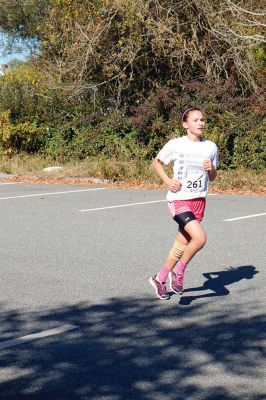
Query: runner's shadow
x,y
217,282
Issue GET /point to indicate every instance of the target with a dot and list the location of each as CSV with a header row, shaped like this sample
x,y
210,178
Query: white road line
x,y
128,205
246,216
122,205
50,194
8,183
38,335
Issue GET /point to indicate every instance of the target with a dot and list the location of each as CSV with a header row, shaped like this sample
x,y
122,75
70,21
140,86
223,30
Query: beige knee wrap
x,y
177,250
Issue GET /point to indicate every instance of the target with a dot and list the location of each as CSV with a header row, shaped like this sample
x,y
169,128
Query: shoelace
x,y
162,287
178,279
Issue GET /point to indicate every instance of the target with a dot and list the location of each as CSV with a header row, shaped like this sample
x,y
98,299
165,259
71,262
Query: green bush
x,y
250,149
24,93
34,119
21,137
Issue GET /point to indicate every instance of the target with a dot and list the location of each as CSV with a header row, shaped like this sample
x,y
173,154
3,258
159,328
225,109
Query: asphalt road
x,y
69,259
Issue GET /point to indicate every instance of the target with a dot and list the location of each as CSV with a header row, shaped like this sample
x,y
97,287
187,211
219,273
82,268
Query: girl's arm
x,y
208,166
173,184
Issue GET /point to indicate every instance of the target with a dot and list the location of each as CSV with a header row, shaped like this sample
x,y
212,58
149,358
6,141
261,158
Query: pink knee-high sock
x,y
162,274
180,267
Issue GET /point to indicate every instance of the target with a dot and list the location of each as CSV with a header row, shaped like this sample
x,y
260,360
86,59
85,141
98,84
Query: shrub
x,y
250,149
14,138
23,93
115,137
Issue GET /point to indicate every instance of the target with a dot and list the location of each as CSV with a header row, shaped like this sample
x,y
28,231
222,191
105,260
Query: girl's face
x,y
195,123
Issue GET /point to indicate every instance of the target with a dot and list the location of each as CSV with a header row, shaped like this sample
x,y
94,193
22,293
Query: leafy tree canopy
x,y
121,50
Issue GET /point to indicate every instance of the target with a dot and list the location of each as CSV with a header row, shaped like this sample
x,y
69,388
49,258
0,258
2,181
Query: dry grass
x,y
134,173
240,180
23,164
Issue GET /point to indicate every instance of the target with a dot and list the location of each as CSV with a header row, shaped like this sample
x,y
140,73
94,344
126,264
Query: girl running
x,y
195,160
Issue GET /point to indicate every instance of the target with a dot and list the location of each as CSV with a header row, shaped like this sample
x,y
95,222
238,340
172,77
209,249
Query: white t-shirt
x,y
187,157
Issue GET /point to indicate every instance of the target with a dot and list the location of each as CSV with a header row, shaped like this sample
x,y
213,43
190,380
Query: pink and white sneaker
x,y
160,288
176,282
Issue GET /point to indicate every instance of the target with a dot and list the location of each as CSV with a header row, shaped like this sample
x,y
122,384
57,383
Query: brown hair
x,y
186,113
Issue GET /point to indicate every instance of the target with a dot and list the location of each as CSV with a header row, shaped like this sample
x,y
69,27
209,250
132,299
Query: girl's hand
x,y
208,165
173,185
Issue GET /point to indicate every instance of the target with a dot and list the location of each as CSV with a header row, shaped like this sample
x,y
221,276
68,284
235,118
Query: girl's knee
x,y
197,234
201,241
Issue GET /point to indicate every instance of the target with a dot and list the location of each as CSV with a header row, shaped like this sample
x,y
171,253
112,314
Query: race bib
x,y
194,183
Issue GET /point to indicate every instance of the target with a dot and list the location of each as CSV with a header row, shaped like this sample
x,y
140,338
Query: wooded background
x,y
111,78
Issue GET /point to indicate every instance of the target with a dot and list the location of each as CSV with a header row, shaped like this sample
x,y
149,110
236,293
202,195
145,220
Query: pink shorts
x,y
197,206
